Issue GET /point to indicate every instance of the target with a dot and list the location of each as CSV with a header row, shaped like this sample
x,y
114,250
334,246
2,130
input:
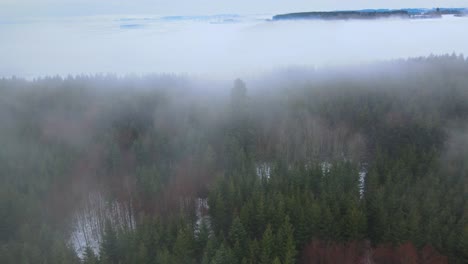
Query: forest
x,y
351,164
410,13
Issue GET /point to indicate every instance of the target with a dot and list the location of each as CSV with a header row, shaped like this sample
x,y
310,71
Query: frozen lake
x,y
219,46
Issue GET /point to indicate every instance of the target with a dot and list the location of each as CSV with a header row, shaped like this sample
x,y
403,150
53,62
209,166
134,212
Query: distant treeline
x,y
414,13
364,164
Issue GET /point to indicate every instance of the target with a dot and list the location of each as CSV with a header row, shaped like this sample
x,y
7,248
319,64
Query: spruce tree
x,y
238,239
267,246
109,246
184,246
288,250
89,257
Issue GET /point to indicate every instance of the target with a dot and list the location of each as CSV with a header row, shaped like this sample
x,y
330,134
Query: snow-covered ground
x,y
201,213
263,170
362,182
326,166
89,221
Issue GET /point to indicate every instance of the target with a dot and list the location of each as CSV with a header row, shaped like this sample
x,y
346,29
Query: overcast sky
x,y
25,8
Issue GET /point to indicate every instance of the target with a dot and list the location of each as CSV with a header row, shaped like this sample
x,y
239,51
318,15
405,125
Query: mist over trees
x,y
360,164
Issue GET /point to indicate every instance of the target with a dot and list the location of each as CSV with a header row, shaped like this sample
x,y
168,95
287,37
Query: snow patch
x,y
89,220
326,167
263,170
201,213
362,180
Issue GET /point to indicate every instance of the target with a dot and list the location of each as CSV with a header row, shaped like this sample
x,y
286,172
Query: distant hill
x,y
409,13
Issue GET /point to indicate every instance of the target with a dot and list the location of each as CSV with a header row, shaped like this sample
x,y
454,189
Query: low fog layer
x,y
145,169
224,46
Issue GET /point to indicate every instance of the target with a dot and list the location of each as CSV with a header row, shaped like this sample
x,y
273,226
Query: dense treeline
x,y
361,165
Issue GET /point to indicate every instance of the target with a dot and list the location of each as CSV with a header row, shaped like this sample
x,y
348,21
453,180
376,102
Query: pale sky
x,y
27,8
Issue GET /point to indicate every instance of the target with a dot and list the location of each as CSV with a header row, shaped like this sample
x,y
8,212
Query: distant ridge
x,y
408,13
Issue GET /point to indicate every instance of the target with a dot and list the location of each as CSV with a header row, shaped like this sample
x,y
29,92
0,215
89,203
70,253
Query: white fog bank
x,y
222,46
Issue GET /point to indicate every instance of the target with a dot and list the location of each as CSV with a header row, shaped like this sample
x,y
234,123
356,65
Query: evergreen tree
x,y
202,237
267,246
209,251
89,257
287,244
276,261
109,246
254,250
223,256
464,244
184,246
238,239
142,254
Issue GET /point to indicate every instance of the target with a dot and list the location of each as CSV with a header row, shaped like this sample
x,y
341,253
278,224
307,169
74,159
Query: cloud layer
x,y
220,46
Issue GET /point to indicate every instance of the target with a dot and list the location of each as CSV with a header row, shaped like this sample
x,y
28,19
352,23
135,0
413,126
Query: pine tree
x,y
260,220
219,212
109,247
286,240
89,257
164,256
464,244
209,251
276,261
326,223
223,256
184,246
267,246
202,237
354,222
254,251
142,254
238,239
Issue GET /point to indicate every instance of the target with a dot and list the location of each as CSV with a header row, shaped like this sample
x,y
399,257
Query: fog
x,y
79,154
222,46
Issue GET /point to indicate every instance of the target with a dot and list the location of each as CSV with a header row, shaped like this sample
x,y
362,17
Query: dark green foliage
x,y
267,246
90,257
286,244
223,256
184,246
110,251
238,238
